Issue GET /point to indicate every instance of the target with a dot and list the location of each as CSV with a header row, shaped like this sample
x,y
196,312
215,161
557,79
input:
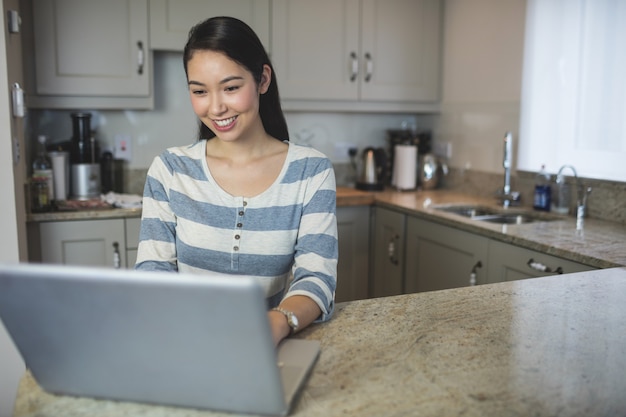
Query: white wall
x,y
482,73
11,365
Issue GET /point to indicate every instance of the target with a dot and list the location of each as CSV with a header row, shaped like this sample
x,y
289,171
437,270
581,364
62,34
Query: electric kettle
x,y
372,176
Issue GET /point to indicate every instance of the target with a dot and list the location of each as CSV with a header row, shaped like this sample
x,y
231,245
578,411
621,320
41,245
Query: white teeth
x,y
225,122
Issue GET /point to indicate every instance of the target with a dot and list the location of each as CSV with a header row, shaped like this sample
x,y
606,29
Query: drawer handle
x,y
116,256
354,62
472,280
391,250
140,58
369,67
538,266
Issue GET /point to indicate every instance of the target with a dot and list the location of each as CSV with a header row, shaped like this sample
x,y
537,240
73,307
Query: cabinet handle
x,y
140,58
354,67
391,250
472,280
369,67
538,266
116,256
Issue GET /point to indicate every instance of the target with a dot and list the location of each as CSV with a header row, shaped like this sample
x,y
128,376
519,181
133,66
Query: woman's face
x,y
224,94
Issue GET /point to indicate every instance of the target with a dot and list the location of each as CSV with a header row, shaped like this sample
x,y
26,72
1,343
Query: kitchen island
x,y
542,347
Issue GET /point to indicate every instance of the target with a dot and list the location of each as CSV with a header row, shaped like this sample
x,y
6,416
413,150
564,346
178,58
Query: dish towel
x,y
122,200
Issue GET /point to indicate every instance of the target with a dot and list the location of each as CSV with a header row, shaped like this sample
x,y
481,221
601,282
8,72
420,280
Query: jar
x,y
39,193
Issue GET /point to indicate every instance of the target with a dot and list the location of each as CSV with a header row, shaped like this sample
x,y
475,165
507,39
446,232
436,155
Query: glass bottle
x,y
543,190
42,166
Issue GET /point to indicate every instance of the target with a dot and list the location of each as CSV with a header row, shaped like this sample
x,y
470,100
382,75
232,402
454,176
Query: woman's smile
x,y
224,124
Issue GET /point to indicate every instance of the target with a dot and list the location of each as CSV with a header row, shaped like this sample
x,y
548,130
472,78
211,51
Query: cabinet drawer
x,y
508,263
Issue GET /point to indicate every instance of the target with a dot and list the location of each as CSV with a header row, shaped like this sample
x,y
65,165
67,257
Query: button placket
x,y
237,235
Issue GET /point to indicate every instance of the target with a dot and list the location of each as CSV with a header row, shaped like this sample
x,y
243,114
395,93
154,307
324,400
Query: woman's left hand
x,y
305,309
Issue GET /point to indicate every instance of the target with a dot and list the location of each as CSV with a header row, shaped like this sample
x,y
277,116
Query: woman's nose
x,y
217,106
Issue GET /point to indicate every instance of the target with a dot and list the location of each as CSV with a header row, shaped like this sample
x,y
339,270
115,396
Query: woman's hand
x,y
305,309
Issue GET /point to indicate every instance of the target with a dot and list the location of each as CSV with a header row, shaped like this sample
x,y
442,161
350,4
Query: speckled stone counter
x,y
598,243
541,347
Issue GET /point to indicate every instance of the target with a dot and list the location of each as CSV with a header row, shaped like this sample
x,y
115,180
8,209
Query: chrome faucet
x,y
507,196
582,194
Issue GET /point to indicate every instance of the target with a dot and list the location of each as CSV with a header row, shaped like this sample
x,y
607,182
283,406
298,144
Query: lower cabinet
x,y
388,253
99,243
509,262
353,267
439,257
411,254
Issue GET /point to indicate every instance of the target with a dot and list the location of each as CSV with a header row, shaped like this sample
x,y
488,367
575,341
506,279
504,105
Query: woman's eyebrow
x,y
224,81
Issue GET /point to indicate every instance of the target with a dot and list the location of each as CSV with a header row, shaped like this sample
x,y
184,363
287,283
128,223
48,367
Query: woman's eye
x,y
197,92
231,88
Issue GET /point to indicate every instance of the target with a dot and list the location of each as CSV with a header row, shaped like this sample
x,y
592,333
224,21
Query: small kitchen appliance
x,y
399,140
373,170
84,158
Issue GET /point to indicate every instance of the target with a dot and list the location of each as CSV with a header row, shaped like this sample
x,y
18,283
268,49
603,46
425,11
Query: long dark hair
x,y
237,40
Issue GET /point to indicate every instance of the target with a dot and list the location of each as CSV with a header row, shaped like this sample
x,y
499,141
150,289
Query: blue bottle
x,y
543,191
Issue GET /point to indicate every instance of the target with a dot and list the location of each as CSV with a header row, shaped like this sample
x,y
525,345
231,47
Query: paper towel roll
x,y
405,167
60,174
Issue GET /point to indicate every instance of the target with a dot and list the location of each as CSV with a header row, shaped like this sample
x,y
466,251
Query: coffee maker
x,y
84,159
409,137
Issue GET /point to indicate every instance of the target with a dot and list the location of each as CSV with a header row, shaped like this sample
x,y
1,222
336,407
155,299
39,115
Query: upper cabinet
x,y
170,20
91,54
357,54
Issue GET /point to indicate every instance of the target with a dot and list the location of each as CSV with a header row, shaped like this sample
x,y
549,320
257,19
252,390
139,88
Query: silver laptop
x,y
162,338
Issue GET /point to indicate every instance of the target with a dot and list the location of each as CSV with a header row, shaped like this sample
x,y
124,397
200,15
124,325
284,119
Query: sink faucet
x,y
507,196
582,193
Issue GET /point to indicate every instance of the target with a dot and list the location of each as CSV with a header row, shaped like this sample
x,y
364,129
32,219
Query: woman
x,y
243,200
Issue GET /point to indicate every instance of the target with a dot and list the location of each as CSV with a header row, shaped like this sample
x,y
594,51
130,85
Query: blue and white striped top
x,y
285,236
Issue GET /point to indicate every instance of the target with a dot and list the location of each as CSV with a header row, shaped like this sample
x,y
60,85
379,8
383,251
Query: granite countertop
x,y
543,347
599,244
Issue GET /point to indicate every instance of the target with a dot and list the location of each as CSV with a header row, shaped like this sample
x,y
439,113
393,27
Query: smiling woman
x,y
574,88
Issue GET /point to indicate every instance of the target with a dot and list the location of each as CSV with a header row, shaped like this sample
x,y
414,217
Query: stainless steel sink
x,y
496,215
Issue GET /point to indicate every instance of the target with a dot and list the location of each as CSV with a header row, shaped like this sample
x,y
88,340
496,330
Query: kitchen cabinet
x,y
91,54
388,253
509,262
132,226
171,20
100,243
366,55
353,266
439,257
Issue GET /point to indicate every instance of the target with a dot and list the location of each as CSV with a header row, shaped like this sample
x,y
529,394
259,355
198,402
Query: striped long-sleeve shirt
x,y
286,236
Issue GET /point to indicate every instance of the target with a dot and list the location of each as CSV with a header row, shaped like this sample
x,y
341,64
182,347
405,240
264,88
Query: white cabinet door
x,y
401,49
357,51
315,48
170,20
83,242
92,48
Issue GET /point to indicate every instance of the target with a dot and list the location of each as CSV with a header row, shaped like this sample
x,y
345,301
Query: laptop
x,y
152,337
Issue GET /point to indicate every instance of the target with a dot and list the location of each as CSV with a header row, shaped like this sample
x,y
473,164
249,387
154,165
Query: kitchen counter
x,y
599,244
543,347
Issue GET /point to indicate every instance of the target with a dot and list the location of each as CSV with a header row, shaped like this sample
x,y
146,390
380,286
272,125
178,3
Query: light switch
x,y
123,146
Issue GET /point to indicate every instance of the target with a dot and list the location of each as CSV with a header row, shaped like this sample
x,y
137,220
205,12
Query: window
x,y
573,108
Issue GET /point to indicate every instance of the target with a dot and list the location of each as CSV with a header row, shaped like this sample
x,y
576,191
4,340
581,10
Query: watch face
x,y
293,321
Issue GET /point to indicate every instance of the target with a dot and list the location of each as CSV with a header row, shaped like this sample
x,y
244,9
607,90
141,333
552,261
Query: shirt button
x,y
237,237
241,213
235,248
245,203
239,225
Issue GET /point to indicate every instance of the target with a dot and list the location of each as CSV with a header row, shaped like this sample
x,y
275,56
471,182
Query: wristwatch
x,y
292,320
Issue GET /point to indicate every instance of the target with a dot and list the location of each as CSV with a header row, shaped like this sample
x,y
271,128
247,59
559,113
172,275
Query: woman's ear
x,y
266,79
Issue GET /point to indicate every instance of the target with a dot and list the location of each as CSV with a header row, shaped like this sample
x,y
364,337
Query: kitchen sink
x,y
496,215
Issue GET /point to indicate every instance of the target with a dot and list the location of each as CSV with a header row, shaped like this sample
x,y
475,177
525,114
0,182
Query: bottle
x,y
543,191
42,166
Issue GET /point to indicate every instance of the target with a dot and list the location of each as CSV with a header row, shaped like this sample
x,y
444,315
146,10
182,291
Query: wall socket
x,y
342,151
443,149
123,148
